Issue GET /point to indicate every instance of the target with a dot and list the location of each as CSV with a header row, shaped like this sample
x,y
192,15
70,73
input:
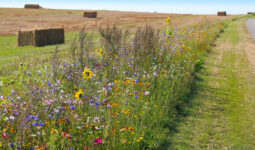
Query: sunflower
x,y
168,20
87,74
99,52
79,95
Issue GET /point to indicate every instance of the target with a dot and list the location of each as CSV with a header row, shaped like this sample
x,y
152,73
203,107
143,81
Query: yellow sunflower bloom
x,y
87,74
99,52
168,20
78,95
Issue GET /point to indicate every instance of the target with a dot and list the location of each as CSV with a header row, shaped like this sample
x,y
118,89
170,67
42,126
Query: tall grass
x,y
120,92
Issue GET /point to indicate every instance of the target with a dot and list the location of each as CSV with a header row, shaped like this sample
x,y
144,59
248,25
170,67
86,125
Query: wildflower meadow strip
x,y
120,92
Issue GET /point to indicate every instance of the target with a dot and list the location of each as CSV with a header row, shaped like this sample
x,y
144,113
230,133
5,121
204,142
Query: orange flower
x,y
12,131
58,122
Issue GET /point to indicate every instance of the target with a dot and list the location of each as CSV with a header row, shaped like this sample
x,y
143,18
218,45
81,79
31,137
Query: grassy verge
x,y
220,111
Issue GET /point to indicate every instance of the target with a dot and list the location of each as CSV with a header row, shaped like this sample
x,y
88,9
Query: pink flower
x,y
87,148
48,102
99,141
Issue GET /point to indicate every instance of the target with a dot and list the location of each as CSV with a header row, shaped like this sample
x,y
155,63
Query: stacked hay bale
x,y
32,6
41,37
222,13
91,14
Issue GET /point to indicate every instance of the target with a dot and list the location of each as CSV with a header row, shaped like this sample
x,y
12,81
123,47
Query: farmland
x,y
161,86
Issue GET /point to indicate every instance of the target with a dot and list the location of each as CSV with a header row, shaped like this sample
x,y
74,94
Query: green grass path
x,y
221,110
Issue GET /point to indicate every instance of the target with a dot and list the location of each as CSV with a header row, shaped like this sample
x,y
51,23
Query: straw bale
x,y
32,6
41,37
87,14
222,13
249,13
26,38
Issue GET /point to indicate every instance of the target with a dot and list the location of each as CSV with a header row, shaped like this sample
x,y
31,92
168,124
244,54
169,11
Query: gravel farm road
x,y
251,27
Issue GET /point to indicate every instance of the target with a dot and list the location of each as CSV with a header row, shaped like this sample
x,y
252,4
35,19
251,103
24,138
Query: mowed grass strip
x,y
220,113
11,56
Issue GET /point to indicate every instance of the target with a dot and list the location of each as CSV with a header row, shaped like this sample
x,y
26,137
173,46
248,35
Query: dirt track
x,y
14,19
251,26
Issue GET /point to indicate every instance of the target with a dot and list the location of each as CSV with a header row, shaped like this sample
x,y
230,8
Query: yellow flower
x,y
87,74
1,144
123,141
168,20
79,95
80,130
100,52
53,131
86,126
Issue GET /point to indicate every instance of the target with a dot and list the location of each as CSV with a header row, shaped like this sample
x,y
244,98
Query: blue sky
x,y
168,6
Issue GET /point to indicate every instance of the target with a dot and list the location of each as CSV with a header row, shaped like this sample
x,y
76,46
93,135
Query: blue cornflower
x,y
12,144
35,124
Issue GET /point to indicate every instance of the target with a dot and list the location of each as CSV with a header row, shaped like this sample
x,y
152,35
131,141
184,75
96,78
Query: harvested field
x,y
73,20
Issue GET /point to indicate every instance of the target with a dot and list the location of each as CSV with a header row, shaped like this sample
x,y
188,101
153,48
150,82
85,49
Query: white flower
x,y
147,93
1,83
12,118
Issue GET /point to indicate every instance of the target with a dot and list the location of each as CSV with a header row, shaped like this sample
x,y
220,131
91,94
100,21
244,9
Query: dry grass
x,y
14,19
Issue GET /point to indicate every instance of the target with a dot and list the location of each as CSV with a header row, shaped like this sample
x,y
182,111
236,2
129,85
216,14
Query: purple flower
x,y
35,124
12,144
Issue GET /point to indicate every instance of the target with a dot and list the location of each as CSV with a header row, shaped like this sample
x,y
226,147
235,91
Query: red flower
x,y
6,135
65,134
